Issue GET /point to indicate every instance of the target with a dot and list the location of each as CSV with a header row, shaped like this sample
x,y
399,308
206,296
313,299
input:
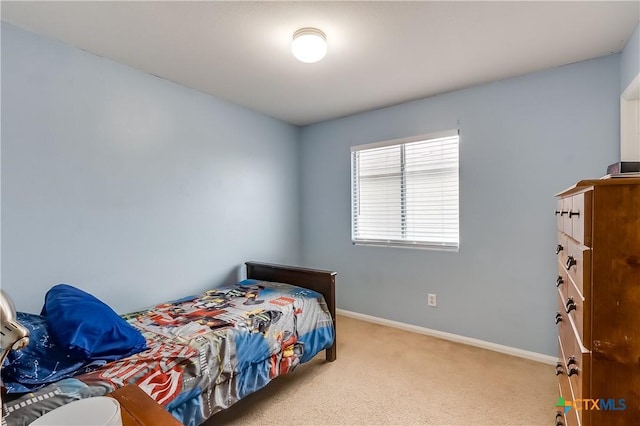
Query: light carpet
x,y
387,376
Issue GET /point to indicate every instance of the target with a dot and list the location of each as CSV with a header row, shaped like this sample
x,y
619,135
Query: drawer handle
x,y
571,360
572,213
559,370
572,371
571,305
563,212
571,261
556,212
559,281
559,248
558,317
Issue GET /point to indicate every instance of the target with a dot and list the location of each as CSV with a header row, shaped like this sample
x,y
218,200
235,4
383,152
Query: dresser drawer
x,y
562,318
561,247
566,419
560,213
562,281
578,265
561,373
577,307
580,217
567,225
576,364
563,385
571,417
574,216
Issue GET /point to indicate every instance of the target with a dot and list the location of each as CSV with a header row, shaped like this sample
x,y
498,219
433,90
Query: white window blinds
x,y
406,192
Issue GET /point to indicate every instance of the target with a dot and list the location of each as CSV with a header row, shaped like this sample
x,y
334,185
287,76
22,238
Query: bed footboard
x,y
324,282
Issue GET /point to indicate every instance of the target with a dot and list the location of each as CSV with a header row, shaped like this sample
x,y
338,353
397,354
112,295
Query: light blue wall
x,y
132,187
630,60
522,140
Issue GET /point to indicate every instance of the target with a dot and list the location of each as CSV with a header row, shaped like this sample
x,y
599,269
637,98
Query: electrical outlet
x,y
431,300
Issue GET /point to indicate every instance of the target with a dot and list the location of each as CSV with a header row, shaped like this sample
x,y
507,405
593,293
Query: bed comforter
x,y
204,353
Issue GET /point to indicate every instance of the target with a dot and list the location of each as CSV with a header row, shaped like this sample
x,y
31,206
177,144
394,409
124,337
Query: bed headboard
x,y
324,282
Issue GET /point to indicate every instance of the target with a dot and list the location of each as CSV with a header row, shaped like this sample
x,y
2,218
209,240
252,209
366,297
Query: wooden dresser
x,y
598,287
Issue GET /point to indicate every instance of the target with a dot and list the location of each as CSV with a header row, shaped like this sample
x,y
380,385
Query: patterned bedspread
x,y
205,353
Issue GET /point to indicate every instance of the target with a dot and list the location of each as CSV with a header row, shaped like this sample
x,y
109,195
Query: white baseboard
x,y
534,356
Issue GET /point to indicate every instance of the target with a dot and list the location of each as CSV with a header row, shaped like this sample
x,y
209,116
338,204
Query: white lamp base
x,y
96,411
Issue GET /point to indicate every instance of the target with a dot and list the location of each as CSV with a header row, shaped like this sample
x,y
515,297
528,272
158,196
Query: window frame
x,y
401,242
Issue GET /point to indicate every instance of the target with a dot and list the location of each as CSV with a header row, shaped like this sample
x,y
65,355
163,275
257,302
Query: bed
x,y
205,352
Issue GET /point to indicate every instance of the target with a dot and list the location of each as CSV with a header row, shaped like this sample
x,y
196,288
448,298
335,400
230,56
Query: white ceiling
x,y
380,53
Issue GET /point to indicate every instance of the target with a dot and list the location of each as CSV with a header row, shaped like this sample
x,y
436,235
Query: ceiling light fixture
x,y
309,45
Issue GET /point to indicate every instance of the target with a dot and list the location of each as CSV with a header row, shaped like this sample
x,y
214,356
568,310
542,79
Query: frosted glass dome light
x,y
309,45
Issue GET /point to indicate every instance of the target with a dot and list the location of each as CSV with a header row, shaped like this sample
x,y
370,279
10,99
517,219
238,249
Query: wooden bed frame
x,y
324,282
320,281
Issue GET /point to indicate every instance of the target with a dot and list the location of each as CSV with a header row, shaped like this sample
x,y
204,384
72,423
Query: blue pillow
x,y
87,327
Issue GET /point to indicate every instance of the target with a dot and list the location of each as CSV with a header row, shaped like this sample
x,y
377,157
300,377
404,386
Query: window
x,y
405,192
